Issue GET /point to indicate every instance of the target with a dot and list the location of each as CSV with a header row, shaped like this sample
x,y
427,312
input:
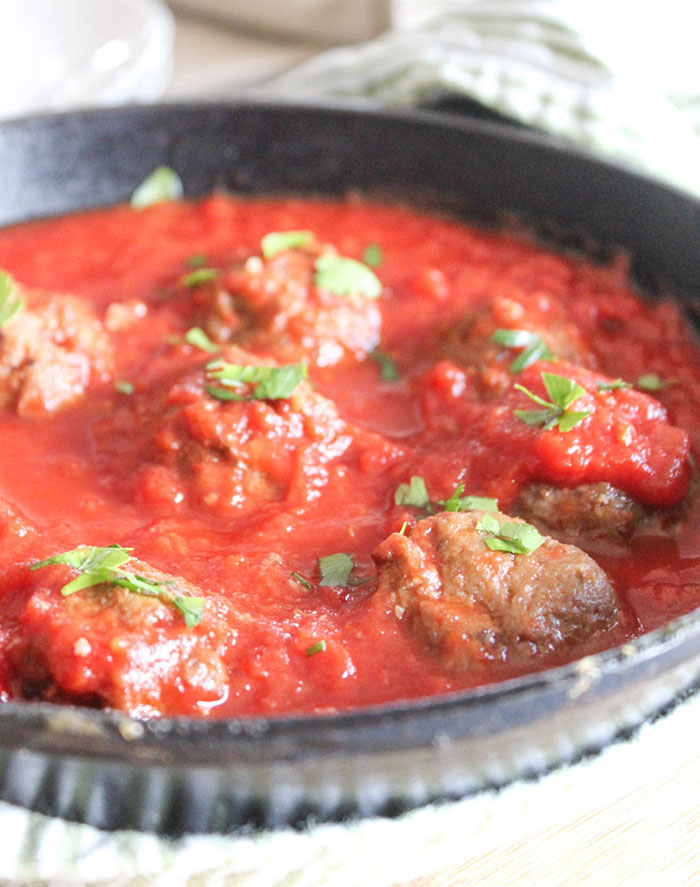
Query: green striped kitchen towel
x,y
618,77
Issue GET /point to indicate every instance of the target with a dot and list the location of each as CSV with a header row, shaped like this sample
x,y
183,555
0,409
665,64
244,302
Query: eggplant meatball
x,y
50,350
474,603
280,304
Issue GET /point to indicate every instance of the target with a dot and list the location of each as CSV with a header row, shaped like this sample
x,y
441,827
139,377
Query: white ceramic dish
x,y
60,54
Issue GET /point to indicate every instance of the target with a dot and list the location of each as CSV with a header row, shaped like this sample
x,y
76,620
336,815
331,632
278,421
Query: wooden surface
x,y
640,829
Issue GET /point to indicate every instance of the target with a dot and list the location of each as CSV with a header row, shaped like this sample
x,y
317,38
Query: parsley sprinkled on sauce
x,y
458,502
509,536
533,345
615,385
10,302
346,277
162,185
318,647
653,382
102,566
404,526
198,276
280,241
199,339
564,393
336,568
196,261
415,493
270,382
373,255
388,371
297,577
123,386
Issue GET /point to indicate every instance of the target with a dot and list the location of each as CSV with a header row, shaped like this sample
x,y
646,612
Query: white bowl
x,y
60,54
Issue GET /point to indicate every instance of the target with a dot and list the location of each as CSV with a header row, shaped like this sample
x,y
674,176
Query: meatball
x,y
107,645
49,352
471,344
590,510
229,456
275,303
475,604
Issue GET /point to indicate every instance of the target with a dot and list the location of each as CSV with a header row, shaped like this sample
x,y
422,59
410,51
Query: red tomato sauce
x,y
112,467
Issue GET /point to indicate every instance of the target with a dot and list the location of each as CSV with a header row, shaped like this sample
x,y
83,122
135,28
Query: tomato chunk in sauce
x,y
376,456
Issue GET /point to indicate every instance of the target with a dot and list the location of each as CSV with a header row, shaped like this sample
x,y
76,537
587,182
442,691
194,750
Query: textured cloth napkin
x,y
621,78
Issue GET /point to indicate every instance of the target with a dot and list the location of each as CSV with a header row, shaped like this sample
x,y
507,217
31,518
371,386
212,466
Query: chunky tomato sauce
x,y
239,499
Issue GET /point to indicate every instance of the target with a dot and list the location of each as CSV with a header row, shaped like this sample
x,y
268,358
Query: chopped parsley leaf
x,y
280,241
199,275
271,382
615,385
102,566
10,302
457,502
297,577
564,392
199,339
388,371
346,277
123,386
373,255
336,569
414,493
533,345
318,647
161,185
196,261
653,382
509,536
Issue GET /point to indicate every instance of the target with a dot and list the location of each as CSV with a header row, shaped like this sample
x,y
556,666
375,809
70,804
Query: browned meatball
x,y
230,456
275,304
475,604
110,646
49,352
470,343
590,510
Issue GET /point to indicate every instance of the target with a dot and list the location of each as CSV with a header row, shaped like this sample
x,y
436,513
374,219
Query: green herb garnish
x,y
297,577
280,241
196,261
199,339
271,382
123,386
535,348
10,302
414,493
388,371
653,382
318,647
336,569
373,255
509,536
457,502
346,277
163,184
402,531
102,566
199,275
564,392
615,385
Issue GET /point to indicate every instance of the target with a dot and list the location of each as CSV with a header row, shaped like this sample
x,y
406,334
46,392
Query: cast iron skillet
x,y
177,775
